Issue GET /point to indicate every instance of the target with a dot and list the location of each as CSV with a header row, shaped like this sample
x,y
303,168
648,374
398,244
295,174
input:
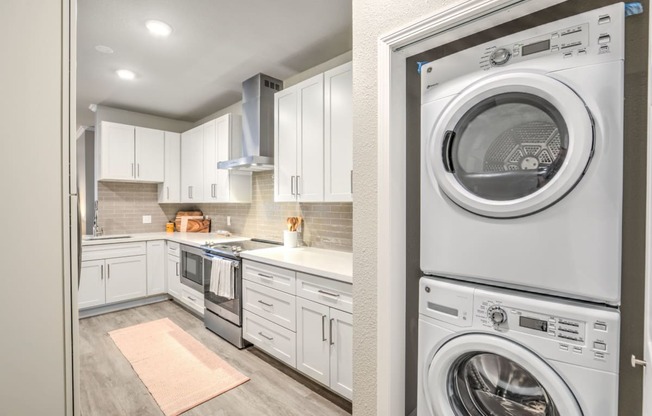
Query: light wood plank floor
x,y
110,387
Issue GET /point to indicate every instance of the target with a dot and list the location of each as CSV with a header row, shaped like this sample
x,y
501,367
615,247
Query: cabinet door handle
x,y
192,299
168,192
323,328
177,264
190,192
265,303
133,175
351,181
292,185
108,271
267,276
323,292
330,332
102,272
138,170
265,336
298,193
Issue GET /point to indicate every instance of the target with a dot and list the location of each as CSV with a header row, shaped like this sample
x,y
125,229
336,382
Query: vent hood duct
x,y
257,125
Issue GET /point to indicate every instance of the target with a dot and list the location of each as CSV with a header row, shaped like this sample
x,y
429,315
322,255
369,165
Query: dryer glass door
x,y
477,374
511,145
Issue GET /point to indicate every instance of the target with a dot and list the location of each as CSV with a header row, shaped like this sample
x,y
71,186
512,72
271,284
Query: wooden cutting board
x,y
191,222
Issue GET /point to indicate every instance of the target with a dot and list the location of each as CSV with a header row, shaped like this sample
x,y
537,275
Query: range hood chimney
x,y
257,125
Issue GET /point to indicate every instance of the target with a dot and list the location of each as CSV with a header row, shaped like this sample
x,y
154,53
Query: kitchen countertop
x,y
336,265
192,239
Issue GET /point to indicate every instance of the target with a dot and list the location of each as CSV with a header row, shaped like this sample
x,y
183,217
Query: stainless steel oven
x,y
192,267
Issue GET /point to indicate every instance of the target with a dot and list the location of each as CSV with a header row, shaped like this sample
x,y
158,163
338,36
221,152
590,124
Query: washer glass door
x,y
510,145
477,374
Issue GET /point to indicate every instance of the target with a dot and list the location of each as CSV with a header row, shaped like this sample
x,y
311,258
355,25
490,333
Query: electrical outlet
x,y
147,219
228,220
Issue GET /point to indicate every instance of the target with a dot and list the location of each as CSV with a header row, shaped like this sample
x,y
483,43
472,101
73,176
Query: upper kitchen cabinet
x,y
338,134
192,174
223,141
131,154
170,189
299,142
201,149
313,139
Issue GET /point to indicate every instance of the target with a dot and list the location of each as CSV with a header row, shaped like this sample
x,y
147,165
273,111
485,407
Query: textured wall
x,y
326,225
371,19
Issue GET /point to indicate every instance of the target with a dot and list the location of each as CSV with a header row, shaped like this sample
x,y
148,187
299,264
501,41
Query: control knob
x,y
497,315
500,56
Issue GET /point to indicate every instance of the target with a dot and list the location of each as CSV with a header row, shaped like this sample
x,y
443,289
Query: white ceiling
x,y
215,45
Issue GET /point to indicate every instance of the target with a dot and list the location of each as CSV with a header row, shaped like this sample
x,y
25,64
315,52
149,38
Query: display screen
x,y
531,323
544,45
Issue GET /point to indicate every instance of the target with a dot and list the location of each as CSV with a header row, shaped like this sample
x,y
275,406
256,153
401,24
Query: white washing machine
x,y
497,352
522,147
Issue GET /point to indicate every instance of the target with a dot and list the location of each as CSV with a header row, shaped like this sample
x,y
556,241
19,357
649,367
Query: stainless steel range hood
x,y
257,125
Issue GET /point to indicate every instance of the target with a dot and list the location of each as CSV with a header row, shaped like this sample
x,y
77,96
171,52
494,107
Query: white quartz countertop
x,y
336,265
192,239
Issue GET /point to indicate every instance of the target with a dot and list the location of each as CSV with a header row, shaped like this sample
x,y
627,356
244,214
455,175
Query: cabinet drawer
x,y
108,251
192,299
270,276
271,304
338,295
275,340
173,249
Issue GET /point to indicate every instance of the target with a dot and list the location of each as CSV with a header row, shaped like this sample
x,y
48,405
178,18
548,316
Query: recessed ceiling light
x,y
125,74
158,28
103,49
93,107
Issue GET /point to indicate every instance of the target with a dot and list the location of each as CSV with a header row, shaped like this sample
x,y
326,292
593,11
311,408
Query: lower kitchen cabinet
x,y
174,279
112,280
156,278
320,343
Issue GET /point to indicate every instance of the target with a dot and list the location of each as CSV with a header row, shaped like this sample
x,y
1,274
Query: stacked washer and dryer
x,y
521,212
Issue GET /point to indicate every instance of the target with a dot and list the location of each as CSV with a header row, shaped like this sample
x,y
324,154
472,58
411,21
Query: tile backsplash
x,y
326,225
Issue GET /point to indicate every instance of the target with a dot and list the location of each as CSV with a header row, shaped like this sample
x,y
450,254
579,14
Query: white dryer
x,y
522,147
485,351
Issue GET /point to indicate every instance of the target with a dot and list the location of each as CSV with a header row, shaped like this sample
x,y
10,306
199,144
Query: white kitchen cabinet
x,y
173,269
192,174
126,278
170,190
156,277
313,351
341,350
299,142
91,284
132,154
338,134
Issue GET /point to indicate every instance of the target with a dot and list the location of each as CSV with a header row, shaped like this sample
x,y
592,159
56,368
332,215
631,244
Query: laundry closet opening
x,y
633,233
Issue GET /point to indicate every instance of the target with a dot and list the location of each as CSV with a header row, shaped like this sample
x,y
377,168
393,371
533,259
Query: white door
x,y
150,155
341,344
91,284
285,145
173,271
210,161
510,145
126,278
338,134
117,152
156,278
192,173
647,380
309,185
484,374
170,191
222,153
313,355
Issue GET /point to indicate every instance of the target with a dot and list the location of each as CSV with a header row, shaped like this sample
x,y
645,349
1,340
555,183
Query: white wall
x,y
371,19
32,366
133,118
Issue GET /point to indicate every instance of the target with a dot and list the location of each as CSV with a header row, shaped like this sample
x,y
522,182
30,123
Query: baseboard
x,y
114,307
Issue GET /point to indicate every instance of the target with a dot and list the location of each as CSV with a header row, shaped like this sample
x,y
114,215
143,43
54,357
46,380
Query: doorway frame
x,y
441,27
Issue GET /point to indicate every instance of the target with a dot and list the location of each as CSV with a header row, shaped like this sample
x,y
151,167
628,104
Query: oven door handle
x,y
210,257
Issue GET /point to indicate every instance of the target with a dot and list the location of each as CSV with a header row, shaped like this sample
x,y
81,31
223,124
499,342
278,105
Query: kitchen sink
x,y
106,237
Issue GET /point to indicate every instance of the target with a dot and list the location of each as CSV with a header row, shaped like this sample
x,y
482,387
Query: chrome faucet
x,y
97,230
